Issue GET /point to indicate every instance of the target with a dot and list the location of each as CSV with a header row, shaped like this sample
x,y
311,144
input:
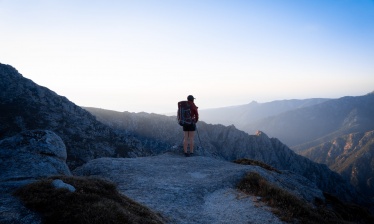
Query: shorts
x,y
189,127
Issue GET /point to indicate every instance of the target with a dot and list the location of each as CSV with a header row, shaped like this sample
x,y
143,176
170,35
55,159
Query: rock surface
x,y
59,184
32,154
25,158
195,189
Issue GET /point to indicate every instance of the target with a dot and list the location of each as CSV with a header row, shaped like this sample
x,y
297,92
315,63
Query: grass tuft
x,y
94,201
256,163
289,208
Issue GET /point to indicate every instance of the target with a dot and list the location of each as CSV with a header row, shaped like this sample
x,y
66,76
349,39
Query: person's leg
x,y
185,141
191,140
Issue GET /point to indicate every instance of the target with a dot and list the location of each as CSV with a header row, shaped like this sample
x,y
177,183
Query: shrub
x,y
94,201
289,208
256,163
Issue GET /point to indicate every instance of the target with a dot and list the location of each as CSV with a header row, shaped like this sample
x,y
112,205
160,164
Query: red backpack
x,y
184,113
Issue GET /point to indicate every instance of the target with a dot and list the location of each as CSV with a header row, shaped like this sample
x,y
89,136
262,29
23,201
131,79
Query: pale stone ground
x,y
184,190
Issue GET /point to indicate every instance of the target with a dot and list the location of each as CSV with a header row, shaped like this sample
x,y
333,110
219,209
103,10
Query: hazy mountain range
x,y
244,115
300,124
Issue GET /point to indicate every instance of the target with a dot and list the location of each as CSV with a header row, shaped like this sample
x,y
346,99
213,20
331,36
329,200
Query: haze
x,y
148,55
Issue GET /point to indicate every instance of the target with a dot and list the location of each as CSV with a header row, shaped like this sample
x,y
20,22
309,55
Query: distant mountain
x,y
243,115
334,132
25,105
310,126
352,156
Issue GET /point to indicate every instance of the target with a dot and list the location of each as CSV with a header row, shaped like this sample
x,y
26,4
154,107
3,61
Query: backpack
x,y
184,113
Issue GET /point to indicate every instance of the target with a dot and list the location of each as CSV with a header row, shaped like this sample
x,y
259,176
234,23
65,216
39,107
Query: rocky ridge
x,y
351,156
184,190
25,105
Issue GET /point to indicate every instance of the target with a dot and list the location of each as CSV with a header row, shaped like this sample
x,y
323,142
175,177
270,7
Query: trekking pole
x,y
197,130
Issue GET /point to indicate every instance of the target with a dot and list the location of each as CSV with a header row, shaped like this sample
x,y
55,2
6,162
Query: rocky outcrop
x,y
161,133
351,156
25,105
195,189
25,158
31,155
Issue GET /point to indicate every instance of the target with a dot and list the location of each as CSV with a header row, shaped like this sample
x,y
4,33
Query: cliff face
x,y
25,105
352,156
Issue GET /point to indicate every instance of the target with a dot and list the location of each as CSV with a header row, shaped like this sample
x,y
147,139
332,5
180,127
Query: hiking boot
x,y
191,154
186,154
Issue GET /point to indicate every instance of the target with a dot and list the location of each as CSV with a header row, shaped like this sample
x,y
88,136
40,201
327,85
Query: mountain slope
x,y
310,126
25,105
352,156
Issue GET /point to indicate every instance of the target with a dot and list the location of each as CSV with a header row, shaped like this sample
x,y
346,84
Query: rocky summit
x,y
195,189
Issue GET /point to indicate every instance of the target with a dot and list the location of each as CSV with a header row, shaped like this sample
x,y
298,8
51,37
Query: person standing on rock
x,y
189,129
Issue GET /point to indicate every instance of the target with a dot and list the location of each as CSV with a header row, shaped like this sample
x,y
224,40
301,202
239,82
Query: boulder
x,y
59,184
25,158
31,155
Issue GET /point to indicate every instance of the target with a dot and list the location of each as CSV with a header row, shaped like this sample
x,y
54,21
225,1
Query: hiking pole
x,y
197,130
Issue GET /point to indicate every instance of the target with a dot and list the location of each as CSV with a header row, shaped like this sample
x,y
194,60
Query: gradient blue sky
x,y
148,55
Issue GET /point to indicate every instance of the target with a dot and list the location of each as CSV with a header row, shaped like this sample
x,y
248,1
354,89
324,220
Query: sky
x,y
146,55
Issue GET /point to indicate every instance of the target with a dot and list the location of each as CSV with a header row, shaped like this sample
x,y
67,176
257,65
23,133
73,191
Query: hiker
x,y
189,129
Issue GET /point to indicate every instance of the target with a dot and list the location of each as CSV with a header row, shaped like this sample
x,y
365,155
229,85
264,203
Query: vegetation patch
x,y
256,163
289,208
94,201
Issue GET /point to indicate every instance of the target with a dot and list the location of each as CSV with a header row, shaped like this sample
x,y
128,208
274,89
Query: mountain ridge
x,y
242,115
320,122
26,106
351,156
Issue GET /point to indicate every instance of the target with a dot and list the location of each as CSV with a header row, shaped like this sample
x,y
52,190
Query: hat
x,y
190,98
